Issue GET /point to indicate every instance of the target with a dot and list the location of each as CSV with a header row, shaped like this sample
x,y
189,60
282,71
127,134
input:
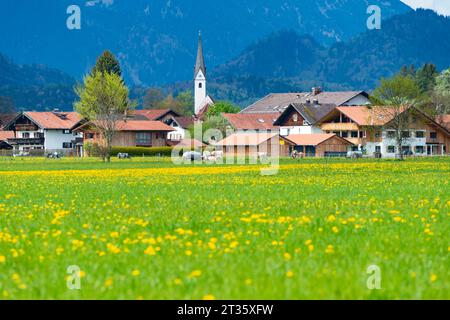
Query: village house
x,y
4,136
279,102
45,132
263,122
180,126
319,145
130,133
300,118
251,144
368,129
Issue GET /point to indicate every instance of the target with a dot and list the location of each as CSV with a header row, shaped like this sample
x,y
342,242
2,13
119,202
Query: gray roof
x,y
280,101
200,63
310,112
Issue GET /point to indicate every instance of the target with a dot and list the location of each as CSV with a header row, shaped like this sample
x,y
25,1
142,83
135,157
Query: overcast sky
x,y
441,6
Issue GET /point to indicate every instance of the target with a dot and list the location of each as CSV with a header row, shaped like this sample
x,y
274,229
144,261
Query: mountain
x,y
34,87
414,38
155,40
286,61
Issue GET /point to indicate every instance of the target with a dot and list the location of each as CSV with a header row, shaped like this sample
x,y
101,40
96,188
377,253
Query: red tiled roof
x,y
150,114
191,143
143,126
444,120
185,122
246,139
55,120
5,135
312,139
252,121
373,116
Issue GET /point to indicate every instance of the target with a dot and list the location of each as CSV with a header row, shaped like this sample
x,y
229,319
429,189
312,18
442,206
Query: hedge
x,y
142,151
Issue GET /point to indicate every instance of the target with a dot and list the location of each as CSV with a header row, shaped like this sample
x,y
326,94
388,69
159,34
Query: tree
x,y
107,63
153,98
103,100
219,123
441,93
182,104
426,77
398,115
222,107
395,88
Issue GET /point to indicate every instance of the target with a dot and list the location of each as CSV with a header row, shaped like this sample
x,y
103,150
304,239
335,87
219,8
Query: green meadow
x,y
149,229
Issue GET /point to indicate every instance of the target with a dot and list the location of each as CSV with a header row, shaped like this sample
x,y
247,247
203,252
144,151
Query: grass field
x,y
146,229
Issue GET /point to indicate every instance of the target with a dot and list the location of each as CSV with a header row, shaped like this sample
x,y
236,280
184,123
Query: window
x,y
406,150
66,131
38,135
391,149
378,149
26,135
295,117
344,134
67,145
200,85
406,134
89,136
377,134
362,134
143,139
419,149
390,134
420,134
433,135
354,134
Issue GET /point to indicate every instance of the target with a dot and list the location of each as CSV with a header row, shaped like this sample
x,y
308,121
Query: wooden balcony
x,y
339,127
26,141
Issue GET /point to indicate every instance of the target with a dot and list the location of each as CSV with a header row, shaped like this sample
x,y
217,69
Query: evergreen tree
x,y
107,63
426,77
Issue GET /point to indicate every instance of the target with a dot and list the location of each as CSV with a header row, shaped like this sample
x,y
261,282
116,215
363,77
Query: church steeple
x,y
200,64
199,78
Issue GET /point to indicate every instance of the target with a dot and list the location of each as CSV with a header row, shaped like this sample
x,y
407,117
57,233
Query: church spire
x,y
200,64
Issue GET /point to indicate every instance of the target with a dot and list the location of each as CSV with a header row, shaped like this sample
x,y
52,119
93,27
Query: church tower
x,y
199,78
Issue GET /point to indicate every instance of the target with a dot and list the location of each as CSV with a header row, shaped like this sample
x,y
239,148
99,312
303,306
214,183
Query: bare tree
x,y
397,118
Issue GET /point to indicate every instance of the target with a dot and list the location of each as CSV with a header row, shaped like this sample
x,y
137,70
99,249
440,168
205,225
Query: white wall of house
x,y
388,146
54,139
359,100
285,131
177,135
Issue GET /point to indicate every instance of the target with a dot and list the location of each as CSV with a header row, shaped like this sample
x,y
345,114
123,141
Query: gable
x,y
290,118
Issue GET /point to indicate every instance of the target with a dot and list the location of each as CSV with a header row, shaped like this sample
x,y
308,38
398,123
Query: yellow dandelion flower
x,y
2,259
188,253
135,273
289,274
209,297
287,256
150,251
195,274
329,249
433,278
108,283
335,229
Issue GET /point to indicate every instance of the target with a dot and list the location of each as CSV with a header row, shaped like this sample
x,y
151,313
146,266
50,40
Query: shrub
x,y
142,151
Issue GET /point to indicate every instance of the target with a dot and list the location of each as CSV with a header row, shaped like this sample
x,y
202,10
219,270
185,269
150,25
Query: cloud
x,y
440,6
93,3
